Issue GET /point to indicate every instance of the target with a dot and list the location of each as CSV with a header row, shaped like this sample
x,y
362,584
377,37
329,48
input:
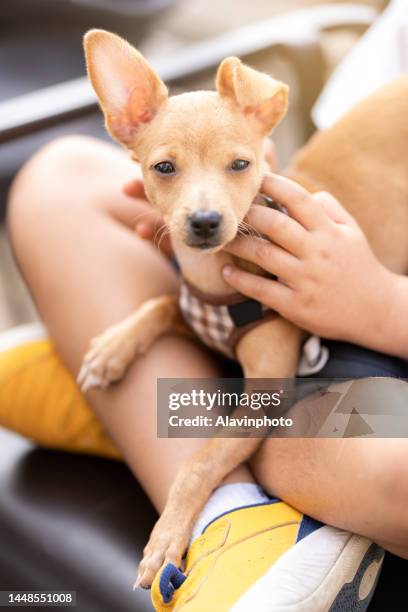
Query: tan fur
x,y
112,352
202,133
362,160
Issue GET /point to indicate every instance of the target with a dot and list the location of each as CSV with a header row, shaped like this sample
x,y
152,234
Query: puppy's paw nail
x,y
91,381
82,374
138,584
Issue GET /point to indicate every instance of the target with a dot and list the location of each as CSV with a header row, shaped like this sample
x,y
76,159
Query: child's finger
x,y
145,230
272,293
134,189
334,209
298,201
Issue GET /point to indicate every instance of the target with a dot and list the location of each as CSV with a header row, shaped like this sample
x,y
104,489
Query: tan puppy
x,y
202,160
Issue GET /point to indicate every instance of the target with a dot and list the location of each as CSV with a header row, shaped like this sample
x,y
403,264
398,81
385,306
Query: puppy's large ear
x,y
255,93
129,90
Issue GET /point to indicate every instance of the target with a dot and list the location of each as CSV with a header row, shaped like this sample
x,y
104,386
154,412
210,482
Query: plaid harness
x,y
221,321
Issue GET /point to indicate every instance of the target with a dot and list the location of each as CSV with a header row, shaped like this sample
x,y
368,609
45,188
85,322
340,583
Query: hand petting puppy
x,y
329,280
150,225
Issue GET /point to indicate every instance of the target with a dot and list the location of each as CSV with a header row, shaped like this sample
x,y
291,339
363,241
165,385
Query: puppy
x,y
202,159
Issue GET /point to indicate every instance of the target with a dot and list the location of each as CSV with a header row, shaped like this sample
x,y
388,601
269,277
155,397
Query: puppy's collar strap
x,y
220,321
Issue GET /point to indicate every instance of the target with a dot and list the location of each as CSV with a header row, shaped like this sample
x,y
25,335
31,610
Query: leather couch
x,y
71,522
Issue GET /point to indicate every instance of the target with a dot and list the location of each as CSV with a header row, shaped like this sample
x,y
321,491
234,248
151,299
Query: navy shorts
x,y
345,361
351,361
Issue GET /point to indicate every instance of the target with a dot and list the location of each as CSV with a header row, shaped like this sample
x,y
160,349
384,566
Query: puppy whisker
x,y
161,233
244,229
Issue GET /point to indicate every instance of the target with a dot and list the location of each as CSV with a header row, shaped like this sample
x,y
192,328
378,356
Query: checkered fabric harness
x,y
221,321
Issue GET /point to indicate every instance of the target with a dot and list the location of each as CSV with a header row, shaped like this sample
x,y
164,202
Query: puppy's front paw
x,y
167,544
107,360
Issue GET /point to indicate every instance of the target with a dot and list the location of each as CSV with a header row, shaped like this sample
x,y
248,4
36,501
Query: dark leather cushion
x,y
72,523
79,523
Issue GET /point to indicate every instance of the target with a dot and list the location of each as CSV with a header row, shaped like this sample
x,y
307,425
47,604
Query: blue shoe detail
x,y
307,526
171,579
348,598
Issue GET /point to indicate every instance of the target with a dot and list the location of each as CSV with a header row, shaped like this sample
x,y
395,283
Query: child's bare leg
x,y
356,484
86,270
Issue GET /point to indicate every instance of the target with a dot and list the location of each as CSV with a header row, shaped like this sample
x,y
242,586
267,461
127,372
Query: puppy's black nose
x,y
205,223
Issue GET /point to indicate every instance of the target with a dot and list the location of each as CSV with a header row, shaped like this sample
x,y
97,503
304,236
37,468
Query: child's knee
x,y
40,190
54,162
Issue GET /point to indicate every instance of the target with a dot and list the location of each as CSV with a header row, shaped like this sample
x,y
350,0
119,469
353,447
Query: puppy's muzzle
x,y
204,229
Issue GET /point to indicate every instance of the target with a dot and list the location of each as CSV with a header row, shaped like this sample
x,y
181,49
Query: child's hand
x,y
150,225
329,281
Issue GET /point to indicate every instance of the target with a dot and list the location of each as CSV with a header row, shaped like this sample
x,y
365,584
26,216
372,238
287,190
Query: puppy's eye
x,y
239,164
165,167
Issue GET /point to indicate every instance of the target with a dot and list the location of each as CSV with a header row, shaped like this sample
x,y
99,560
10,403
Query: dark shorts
x,y
347,361
351,361
373,407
